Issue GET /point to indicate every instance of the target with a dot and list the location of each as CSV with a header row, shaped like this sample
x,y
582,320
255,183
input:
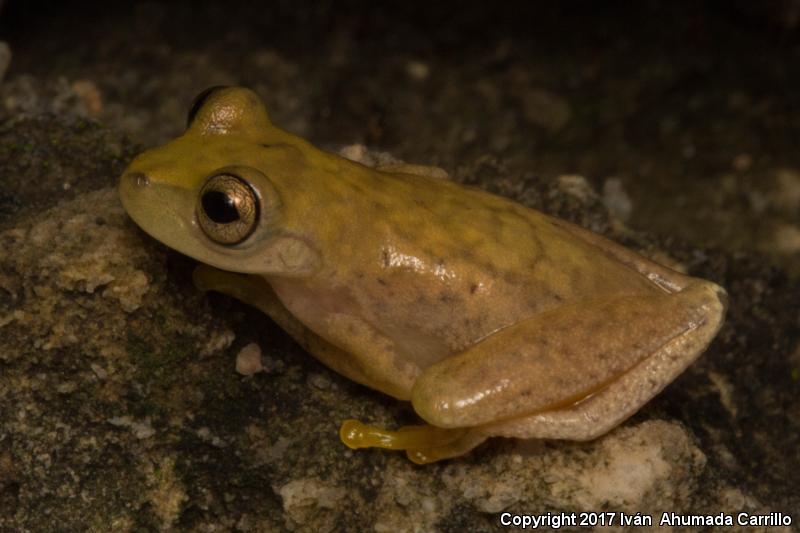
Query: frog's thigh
x,y
255,291
607,408
526,380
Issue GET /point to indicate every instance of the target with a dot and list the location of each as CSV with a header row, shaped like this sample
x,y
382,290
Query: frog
x,y
490,318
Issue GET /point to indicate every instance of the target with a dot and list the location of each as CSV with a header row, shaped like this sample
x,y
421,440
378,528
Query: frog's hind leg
x,y
597,413
422,444
551,375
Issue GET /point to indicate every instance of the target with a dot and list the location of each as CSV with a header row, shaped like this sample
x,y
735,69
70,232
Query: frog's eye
x,y
227,209
199,101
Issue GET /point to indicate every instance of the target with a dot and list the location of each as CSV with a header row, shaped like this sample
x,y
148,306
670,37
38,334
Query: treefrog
x,y
491,318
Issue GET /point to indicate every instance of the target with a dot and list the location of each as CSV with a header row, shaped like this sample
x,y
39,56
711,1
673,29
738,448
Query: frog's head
x,y
207,193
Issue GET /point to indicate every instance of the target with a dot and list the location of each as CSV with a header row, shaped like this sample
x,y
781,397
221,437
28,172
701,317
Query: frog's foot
x,y
422,444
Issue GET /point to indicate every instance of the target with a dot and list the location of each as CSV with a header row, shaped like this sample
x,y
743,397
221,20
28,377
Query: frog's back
x,y
442,265
470,231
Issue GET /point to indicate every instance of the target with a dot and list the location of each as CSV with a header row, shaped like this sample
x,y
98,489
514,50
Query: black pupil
x,y
220,207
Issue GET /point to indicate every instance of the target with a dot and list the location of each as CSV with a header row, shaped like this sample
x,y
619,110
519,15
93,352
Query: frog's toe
x,y
356,435
423,444
456,448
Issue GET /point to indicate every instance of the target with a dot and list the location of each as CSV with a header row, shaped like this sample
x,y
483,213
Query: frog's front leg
x,y
255,291
574,372
423,444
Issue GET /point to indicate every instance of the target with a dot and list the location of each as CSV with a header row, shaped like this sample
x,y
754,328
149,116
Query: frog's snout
x,y
133,186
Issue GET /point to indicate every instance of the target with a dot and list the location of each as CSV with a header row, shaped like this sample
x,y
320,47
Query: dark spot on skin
x,y
424,252
385,258
577,275
403,234
355,186
511,278
473,288
489,271
461,366
381,281
468,254
495,226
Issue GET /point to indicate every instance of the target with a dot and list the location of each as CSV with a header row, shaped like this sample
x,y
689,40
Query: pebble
x,y
319,381
616,199
248,360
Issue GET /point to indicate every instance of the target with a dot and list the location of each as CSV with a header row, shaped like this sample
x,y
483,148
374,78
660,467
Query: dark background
x,y
693,106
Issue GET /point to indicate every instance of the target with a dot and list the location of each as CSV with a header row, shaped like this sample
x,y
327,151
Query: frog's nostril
x,y
138,179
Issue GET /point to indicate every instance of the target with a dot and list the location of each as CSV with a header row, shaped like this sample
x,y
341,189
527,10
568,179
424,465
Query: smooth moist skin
x,y
491,318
